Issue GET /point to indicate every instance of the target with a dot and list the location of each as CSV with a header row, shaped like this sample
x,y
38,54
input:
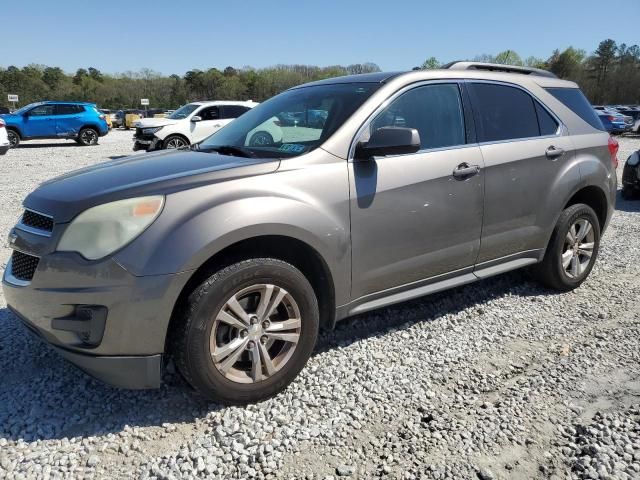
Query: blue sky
x,y
395,34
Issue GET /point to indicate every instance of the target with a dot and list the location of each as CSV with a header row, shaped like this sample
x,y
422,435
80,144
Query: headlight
x,y
634,159
150,130
102,230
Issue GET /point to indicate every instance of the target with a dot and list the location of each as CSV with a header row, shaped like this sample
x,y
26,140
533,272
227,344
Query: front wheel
x,y
13,137
247,331
87,137
572,250
261,139
175,141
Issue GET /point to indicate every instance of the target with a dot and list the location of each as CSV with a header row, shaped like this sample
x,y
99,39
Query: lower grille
x,y
23,266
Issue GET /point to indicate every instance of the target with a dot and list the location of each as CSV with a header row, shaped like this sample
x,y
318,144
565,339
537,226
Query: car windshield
x,y
22,110
292,123
184,111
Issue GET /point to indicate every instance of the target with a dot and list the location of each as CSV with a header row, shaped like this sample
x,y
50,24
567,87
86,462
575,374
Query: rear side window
x,y
548,124
574,99
67,109
233,111
503,112
434,110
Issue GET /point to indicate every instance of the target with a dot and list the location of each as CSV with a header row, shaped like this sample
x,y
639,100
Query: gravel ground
x,y
500,379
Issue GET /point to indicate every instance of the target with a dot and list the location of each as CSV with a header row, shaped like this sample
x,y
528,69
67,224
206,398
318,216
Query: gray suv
x,y
231,255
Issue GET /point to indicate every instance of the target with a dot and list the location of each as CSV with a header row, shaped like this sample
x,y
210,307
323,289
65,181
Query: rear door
x,y
40,122
524,151
68,119
412,216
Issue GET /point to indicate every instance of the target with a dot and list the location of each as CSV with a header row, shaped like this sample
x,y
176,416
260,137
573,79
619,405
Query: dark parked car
x,y
613,124
631,176
4,110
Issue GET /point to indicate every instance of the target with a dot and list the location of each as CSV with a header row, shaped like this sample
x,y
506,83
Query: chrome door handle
x,y
553,152
464,170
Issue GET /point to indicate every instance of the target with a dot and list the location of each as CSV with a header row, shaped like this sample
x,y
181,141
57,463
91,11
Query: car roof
x,y
224,102
64,102
446,73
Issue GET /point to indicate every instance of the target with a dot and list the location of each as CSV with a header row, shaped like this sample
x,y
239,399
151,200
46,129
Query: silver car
x,y
231,255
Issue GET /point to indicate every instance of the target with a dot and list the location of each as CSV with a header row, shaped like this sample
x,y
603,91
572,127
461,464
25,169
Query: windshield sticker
x,y
292,148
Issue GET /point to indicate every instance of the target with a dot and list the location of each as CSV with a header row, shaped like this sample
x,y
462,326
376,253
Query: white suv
x,y
4,140
189,124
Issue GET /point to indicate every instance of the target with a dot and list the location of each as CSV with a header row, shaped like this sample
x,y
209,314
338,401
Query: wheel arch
x,y
184,137
289,249
594,197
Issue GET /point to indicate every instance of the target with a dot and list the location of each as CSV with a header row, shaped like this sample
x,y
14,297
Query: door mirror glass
x,y
196,118
389,141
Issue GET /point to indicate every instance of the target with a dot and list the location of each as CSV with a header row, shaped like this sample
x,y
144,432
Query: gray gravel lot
x,y
500,379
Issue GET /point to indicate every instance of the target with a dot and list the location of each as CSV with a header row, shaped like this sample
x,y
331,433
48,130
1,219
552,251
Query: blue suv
x,y
79,121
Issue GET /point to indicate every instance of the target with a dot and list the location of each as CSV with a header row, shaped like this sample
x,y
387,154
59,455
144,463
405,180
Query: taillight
x,y
1,123
613,151
611,119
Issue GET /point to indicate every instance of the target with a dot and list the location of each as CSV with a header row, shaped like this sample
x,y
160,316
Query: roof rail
x,y
496,67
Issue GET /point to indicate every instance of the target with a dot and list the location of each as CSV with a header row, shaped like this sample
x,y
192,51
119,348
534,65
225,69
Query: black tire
x,y
551,272
172,142
87,136
14,138
260,139
191,338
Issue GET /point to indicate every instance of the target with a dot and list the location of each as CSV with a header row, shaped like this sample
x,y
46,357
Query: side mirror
x,y
196,118
389,141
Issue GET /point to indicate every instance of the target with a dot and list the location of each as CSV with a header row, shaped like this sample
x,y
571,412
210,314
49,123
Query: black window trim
x,y
226,106
559,132
470,133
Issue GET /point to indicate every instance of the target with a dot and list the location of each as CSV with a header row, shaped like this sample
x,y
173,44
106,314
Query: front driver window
x,y
434,110
41,111
209,113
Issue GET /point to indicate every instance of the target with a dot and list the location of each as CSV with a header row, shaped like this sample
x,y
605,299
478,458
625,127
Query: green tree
x,y
509,57
430,63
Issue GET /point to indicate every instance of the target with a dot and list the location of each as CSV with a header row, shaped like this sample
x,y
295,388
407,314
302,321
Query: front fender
x,y
199,223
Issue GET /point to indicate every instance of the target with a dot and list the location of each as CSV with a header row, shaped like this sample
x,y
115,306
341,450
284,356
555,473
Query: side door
x,y
525,149
412,216
40,122
209,124
68,119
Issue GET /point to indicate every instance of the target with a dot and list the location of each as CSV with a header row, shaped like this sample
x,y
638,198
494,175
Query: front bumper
x,y
123,343
146,143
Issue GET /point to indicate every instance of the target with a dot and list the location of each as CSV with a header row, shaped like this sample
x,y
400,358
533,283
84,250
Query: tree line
x,y
609,75
39,82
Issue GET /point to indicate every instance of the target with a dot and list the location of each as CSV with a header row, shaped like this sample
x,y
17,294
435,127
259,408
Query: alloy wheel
x,y
13,138
255,333
88,136
176,143
578,248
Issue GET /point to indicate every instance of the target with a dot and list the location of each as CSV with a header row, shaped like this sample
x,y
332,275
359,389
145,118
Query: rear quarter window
x,y
574,99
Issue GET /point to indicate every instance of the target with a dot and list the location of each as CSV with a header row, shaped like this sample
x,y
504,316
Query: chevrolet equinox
x,y
230,255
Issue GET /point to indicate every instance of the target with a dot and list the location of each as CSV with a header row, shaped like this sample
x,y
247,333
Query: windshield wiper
x,y
230,150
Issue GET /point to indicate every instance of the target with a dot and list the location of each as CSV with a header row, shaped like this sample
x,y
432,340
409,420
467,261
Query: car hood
x,y
9,118
155,173
154,122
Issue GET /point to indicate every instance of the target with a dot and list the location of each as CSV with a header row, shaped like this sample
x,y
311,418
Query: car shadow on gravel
x,y
632,206
47,145
44,397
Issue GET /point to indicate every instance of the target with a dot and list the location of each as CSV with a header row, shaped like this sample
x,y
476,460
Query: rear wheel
x,y
572,250
175,141
88,136
247,331
14,138
261,139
